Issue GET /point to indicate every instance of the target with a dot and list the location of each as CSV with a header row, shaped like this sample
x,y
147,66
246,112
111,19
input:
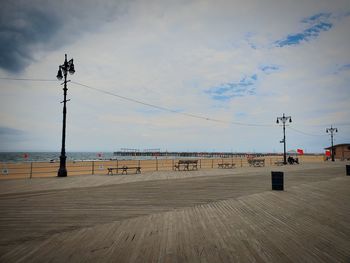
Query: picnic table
x,y
256,162
186,165
124,169
226,165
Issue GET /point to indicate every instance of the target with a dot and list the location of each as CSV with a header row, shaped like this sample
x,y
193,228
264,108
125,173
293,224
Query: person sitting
x,y
290,160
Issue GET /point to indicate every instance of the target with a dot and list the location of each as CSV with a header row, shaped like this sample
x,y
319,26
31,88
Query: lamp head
x,y
71,69
59,74
290,119
277,121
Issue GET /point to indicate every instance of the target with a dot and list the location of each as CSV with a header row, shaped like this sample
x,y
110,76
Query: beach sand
x,y
45,169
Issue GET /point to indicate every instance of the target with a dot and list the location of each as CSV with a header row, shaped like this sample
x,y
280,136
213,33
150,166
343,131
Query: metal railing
x,y
47,169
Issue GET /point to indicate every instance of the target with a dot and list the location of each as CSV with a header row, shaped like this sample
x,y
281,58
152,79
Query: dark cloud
x,y
19,30
26,26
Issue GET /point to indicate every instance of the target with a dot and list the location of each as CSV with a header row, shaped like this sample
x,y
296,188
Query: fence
x,y
46,169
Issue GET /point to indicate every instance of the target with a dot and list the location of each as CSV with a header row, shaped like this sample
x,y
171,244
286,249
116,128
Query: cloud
x,y
226,91
194,56
315,25
19,31
7,131
30,26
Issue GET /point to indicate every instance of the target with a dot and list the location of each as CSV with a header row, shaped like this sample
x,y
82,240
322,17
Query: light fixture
x,y
59,74
71,67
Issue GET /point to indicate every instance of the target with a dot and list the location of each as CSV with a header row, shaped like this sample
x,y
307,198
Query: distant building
x,y
341,151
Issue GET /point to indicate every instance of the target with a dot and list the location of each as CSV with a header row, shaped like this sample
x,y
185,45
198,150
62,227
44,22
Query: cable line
x,y
164,108
305,133
168,109
147,104
27,79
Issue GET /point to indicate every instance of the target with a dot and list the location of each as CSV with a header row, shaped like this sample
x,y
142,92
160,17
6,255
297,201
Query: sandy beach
x,y
25,170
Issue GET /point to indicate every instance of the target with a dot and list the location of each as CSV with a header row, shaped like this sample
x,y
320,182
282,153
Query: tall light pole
x,y
66,67
332,130
284,119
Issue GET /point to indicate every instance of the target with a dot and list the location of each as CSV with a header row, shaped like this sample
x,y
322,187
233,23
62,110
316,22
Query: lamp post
x,y
66,67
284,119
332,130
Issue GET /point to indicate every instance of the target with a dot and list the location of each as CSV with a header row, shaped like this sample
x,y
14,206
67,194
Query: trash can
x,y
348,170
277,181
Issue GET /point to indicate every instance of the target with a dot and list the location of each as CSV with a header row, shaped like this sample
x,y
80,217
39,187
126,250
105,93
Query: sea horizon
x,y
47,156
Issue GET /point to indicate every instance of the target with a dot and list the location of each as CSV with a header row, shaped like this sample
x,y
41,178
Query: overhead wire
x,y
28,79
146,103
160,107
168,109
305,133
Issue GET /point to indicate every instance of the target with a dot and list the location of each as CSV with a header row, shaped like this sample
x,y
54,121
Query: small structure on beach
x,y
341,151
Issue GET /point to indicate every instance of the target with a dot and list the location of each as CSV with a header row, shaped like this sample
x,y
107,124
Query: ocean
x,y
55,156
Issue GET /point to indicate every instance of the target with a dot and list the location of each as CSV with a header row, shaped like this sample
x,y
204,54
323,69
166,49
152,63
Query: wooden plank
x,y
225,216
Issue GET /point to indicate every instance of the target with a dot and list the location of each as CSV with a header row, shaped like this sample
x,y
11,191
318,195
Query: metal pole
x,y
62,172
332,130
332,147
284,119
284,144
31,170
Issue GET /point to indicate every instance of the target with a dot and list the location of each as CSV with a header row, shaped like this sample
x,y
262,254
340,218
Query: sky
x,y
175,75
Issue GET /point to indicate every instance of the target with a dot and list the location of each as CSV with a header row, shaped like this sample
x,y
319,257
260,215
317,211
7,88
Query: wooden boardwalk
x,y
201,216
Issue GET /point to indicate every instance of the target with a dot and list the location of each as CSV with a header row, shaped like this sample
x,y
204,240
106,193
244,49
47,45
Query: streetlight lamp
x,y
332,130
284,119
67,66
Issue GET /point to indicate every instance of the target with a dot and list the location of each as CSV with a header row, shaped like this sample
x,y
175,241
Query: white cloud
x,y
169,54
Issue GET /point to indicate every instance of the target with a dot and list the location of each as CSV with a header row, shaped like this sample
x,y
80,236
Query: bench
x,y
256,162
279,163
226,165
186,164
124,169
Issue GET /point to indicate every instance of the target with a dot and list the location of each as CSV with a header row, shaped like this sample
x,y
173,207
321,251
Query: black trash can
x,y
277,181
348,170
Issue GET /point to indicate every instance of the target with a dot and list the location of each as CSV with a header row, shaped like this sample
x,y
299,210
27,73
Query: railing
x,y
46,169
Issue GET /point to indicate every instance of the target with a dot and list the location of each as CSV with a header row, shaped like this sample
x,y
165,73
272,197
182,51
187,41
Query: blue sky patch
x,y
316,24
316,18
344,67
268,69
341,68
227,91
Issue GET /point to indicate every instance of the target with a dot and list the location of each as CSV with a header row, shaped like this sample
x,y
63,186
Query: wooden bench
x,y
279,163
124,169
256,162
226,165
186,164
